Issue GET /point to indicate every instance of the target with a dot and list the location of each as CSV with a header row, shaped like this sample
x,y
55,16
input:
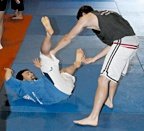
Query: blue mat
x,y
62,15
64,122
128,113
130,91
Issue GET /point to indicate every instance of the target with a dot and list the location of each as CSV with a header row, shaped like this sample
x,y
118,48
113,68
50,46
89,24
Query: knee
x,y
103,81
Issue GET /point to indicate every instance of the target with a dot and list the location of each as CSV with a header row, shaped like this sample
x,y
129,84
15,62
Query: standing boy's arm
x,y
66,39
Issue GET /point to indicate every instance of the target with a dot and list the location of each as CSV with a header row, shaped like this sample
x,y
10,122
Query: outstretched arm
x,y
8,73
97,57
68,37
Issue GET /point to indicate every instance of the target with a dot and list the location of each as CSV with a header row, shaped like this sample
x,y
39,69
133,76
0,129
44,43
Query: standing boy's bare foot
x,y
109,103
46,23
87,122
79,57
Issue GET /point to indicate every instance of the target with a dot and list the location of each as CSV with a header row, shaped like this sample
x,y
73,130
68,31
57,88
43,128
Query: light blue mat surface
x,y
128,112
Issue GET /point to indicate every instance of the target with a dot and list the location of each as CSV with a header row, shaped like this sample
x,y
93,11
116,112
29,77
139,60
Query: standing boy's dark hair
x,y
84,9
19,74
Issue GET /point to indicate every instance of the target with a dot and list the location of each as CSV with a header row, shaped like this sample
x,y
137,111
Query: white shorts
x,y
62,81
117,60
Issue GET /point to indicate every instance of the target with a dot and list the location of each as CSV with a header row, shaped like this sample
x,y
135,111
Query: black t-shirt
x,y
112,27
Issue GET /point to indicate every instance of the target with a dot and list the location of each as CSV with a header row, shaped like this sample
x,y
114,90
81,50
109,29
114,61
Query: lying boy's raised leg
x,y
77,64
46,44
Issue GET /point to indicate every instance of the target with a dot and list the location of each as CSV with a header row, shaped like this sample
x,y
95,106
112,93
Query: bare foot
x,y
1,46
87,122
79,57
109,103
17,17
18,1
46,23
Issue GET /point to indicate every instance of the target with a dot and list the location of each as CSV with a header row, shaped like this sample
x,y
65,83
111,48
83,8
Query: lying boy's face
x,y
28,75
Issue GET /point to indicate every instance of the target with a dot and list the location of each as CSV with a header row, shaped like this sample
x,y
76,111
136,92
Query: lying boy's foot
x,y
46,23
79,57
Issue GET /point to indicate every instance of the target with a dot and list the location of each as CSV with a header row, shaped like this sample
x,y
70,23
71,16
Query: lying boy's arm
x,y
8,73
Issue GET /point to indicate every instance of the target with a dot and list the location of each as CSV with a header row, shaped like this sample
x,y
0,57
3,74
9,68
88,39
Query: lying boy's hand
x,y
37,63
